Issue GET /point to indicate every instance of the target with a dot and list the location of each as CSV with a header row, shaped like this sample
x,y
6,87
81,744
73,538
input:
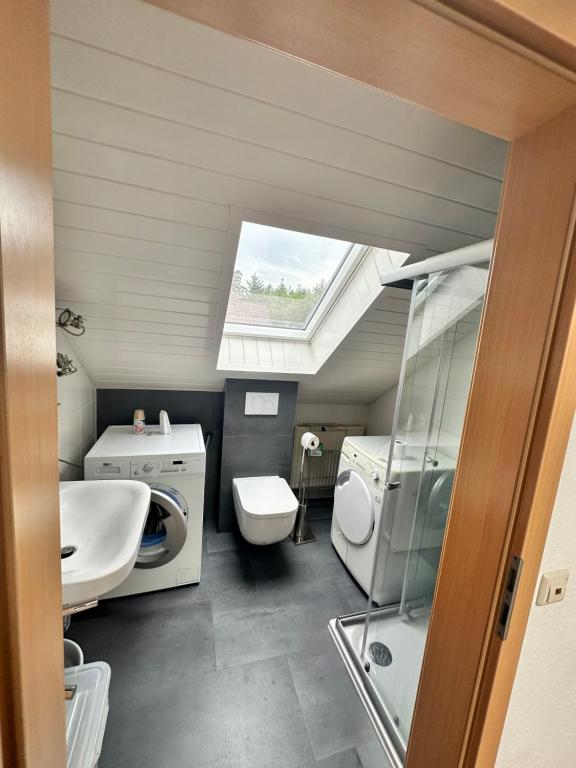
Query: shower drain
x,y
67,552
380,654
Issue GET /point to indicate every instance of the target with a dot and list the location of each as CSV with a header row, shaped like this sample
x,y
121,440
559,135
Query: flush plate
x,y
261,404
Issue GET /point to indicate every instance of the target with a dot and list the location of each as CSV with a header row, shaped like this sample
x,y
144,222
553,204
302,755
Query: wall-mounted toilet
x,y
265,507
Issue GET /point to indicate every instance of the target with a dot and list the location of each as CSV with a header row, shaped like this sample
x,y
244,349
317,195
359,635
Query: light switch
x,y
261,404
552,587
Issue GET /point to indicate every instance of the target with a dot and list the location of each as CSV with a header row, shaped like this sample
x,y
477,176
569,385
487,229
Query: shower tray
x,y
375,674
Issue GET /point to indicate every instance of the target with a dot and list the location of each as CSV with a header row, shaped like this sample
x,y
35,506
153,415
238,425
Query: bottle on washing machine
x,y
139,422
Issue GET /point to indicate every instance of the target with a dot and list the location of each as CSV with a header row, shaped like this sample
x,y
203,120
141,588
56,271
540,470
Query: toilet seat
x,y
264,498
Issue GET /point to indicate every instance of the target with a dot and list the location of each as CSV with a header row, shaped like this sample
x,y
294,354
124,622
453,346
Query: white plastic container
x,y
86,713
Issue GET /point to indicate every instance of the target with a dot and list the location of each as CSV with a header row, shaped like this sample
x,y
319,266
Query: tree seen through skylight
x,y
281,275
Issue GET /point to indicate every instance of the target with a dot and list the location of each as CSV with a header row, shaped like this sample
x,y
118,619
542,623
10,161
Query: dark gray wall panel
x,y
254,445
236,423
117,406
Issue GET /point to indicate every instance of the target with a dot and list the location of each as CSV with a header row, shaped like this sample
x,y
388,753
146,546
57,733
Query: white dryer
x,y
174,466
363,513
358,498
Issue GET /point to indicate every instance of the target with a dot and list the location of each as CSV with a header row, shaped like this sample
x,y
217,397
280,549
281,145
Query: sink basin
x,y
101,524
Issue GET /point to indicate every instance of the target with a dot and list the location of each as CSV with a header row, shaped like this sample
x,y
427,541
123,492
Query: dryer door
x,y
353,507
165,530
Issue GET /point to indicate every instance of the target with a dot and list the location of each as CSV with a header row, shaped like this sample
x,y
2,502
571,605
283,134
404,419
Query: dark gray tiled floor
x,y
222,542
371,755
273,621
237,671
245,717
348,759
334,717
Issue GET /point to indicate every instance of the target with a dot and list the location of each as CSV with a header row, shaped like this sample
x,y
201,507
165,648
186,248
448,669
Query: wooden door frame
x,y
484,70
31,649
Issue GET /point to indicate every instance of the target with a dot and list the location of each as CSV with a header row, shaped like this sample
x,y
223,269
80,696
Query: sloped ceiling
x,y
162,125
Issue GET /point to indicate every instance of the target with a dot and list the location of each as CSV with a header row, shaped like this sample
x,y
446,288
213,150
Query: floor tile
x,y
264,623
355,595
334,715
284,565
348,759
154,640
246,717
372,755
222,542
225,572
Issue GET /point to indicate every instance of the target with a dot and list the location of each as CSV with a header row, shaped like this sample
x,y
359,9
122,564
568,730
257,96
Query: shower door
x,y
386,644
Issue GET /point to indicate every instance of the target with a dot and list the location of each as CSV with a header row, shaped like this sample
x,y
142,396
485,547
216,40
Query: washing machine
x,y
174,466
363,513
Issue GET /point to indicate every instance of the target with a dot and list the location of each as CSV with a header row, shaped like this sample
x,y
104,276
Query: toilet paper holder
x,y
302,532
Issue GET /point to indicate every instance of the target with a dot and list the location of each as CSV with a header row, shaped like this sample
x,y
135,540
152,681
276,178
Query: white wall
x,y
331,413
381,412
540,728
76,413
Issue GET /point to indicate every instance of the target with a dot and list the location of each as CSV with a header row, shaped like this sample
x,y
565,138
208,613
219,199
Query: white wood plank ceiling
x,y
162,124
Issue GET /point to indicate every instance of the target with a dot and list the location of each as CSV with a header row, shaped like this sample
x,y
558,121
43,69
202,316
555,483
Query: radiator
x,y
321,470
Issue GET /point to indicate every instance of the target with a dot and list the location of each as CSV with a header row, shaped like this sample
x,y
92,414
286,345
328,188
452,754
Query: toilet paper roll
x,y
309,441
399,448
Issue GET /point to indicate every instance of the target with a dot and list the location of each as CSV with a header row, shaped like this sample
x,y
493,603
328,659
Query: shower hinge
x,y
510,590
391,486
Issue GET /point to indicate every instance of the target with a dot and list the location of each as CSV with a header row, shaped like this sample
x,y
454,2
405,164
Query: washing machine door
x,y
353,507
165,529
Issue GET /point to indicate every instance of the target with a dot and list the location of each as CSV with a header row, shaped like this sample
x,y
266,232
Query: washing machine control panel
x,y
154,467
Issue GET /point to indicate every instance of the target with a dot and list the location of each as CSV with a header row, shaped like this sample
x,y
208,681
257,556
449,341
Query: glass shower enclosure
x,y
383,647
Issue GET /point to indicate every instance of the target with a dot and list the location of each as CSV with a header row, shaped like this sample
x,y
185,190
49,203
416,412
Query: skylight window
x,y
281,276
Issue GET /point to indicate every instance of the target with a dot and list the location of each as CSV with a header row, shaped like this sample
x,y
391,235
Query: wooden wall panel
x,y
31,661
545,28
404,49
532,245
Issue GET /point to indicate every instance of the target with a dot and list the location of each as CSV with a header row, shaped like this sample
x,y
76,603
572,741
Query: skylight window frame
x,y
355,254
350,262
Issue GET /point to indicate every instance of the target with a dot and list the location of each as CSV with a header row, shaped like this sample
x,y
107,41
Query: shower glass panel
x,y
387,643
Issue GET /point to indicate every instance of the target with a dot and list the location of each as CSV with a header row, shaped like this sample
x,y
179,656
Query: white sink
x,y
101,524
